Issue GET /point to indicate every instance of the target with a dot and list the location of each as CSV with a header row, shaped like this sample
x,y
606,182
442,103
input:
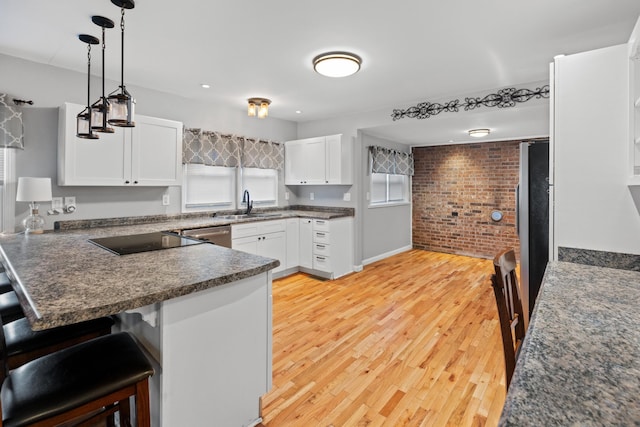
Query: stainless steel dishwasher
x,y
220,235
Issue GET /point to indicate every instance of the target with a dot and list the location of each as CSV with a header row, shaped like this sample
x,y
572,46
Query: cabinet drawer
x,y
244,230
322,263
321,237
272,226
321,249
320,225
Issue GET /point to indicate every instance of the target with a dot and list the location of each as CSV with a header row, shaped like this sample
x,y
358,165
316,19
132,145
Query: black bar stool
x,y
97,375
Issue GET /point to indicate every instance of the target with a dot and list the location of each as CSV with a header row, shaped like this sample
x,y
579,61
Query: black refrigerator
x,y
532,219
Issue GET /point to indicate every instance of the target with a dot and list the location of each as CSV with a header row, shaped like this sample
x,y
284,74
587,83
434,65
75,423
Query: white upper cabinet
x,y
149,154
325,160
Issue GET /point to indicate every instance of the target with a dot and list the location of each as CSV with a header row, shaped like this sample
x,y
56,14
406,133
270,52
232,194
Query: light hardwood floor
x,y
413,340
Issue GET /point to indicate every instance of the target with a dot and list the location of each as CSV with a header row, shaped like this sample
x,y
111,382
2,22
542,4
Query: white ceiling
x,y
412,50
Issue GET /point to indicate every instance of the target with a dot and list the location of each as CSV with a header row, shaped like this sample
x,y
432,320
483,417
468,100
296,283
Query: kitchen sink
x,y
252,215
242,216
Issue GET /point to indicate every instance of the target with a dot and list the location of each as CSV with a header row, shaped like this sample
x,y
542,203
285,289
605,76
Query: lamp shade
x,y
33,189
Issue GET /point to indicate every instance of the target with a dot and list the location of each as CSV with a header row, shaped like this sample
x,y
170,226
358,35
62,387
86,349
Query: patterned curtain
x,y
385,160
262,154
210,148
11,126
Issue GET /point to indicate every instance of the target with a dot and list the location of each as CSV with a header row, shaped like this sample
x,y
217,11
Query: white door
x,y
156,152
274,245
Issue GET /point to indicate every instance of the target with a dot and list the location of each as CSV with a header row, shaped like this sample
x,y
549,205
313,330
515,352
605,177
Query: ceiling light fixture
x,y
122,103
259,107
83,120
205,86
479,133
101,108
337,64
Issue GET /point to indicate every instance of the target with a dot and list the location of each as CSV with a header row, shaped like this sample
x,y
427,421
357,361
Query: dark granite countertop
x,y
62,278
579,364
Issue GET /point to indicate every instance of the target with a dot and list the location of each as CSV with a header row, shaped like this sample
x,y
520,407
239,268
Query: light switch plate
x,y
312,196
56,203
346,197
165,200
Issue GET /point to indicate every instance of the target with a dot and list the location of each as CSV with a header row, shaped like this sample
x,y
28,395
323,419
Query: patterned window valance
x,y
385,160
262,154
210,148
214,149
11,126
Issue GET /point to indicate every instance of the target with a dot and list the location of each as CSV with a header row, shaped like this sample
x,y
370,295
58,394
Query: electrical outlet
x,y
286,195
346,197
312,196
165,200
70,200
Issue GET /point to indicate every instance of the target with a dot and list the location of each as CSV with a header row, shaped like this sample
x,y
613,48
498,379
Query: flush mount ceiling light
x,y
337,64
259,107
479,133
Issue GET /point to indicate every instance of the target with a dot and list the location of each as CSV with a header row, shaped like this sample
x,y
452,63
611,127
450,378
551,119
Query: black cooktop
x,y
134,243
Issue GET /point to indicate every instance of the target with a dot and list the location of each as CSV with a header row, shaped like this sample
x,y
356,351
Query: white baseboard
x,y
386,255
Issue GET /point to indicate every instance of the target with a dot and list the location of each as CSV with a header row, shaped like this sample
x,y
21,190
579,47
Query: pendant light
x,y
101,108
122,103
83,120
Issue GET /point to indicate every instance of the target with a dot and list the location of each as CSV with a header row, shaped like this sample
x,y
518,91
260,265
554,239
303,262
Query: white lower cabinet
x,y
305,253
332,246
264,238
293,242
317,246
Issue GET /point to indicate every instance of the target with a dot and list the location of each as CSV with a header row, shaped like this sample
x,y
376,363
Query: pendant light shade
x,y
101,108
121,102
83,120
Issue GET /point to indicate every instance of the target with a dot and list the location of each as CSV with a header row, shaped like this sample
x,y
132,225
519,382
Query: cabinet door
x,y
306,243
94,162
246,244
156,152
305,161
293,242
274,245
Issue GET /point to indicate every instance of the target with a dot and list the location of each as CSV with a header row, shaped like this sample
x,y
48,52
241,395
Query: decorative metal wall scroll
x,y
505,98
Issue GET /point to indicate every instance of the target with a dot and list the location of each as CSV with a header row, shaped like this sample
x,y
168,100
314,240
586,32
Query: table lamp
x,y
33,190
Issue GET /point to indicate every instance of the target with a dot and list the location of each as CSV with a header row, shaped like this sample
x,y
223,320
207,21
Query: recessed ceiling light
x,y
337,64
479,133
205,86
298,111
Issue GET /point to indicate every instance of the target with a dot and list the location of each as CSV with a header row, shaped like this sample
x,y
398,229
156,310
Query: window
x,y
262,185
208,188
389,189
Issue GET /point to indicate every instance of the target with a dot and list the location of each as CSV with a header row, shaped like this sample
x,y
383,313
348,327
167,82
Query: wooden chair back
x,y
508,301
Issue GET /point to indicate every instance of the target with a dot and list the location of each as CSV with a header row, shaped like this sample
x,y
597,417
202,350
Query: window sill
x,y
388,205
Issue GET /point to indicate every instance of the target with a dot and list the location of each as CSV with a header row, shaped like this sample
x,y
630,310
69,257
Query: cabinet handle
x,y
135,182
319,221
127,182
320,246
321,258
320,234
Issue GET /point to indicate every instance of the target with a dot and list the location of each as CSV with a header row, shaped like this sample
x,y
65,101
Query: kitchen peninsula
x,y
202,312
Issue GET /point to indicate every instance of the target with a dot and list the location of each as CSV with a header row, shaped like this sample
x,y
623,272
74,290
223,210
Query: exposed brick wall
x,y
472,180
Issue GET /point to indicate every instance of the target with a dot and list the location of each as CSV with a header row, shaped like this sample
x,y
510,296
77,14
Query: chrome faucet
x,y
247,199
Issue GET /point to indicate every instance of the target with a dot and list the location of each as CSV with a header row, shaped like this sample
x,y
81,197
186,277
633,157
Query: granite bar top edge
x,y
618,260
324,212
39,323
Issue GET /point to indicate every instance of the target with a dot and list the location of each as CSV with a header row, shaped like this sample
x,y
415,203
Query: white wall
x,y
594,208
49,87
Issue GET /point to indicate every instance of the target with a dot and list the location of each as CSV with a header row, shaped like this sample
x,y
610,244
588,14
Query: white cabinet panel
x,y
149,154
293,242
264,238
319,161
306,242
